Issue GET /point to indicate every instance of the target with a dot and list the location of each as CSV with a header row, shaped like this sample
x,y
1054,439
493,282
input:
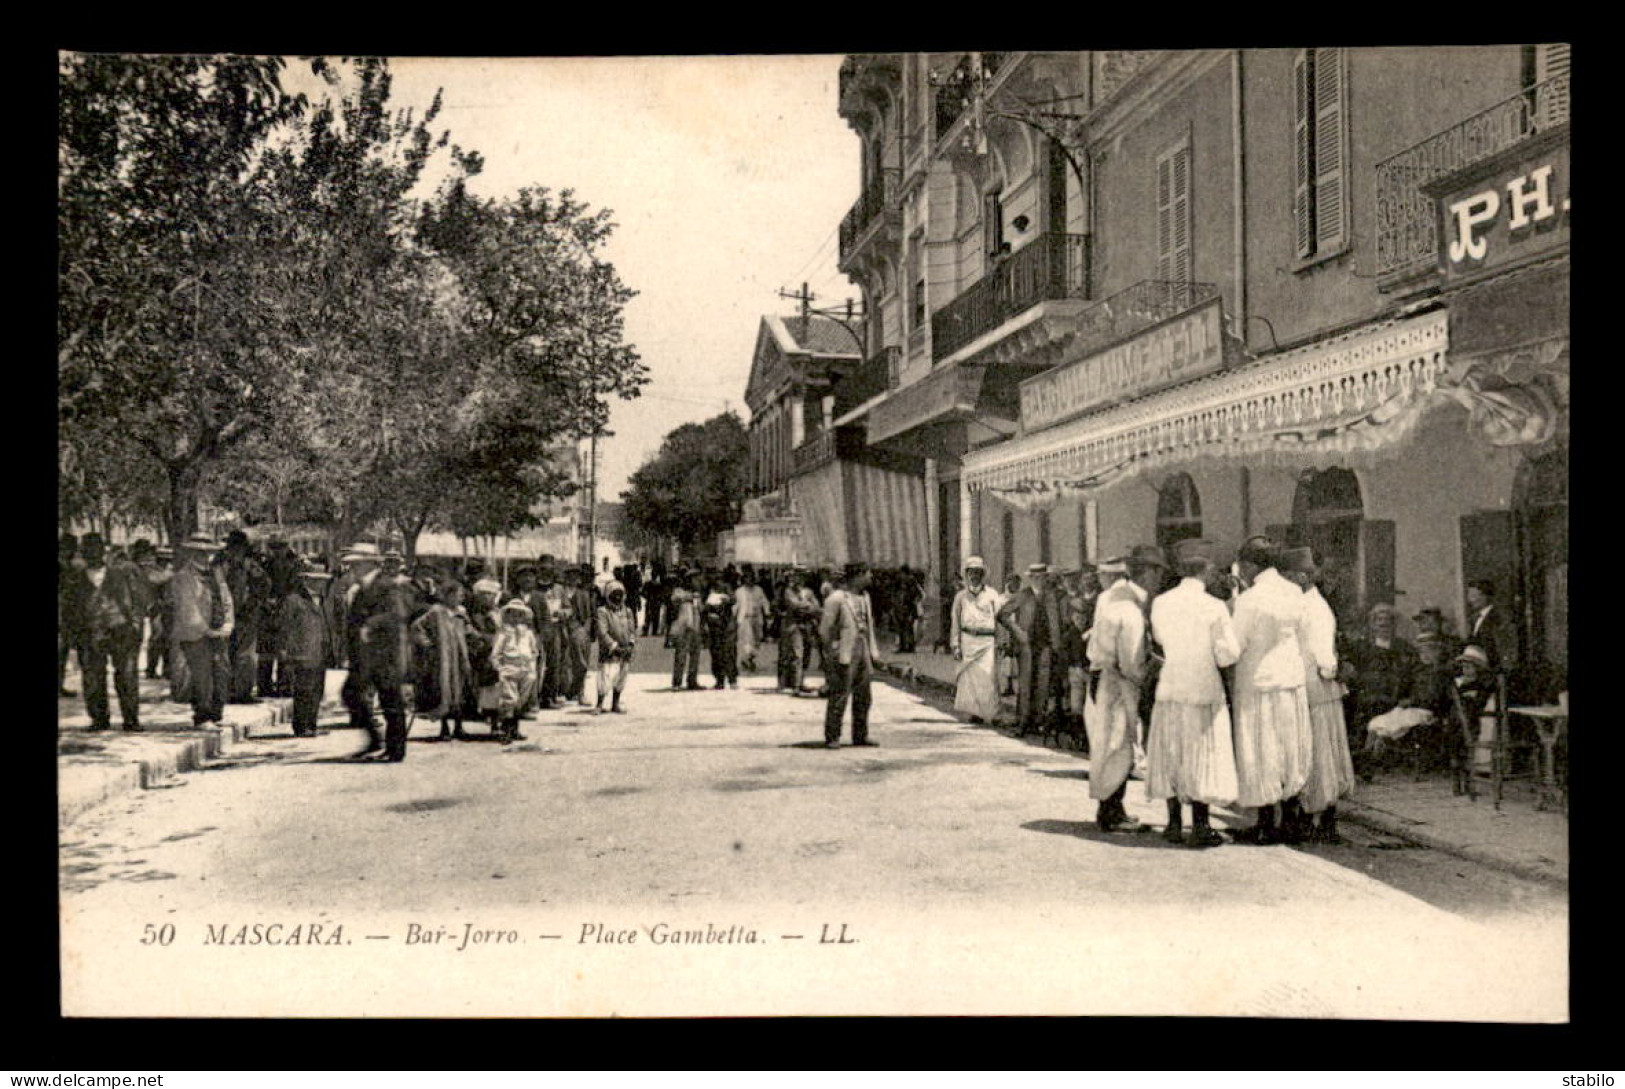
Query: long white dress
x,y
1191,755
1272,730
1117,648
1331,768
750,610
972,633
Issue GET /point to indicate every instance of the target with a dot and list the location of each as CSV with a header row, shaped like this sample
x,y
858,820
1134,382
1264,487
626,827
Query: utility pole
x,y
804,297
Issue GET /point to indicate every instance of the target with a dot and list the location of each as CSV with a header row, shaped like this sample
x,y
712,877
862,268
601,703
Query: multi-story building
x,y
1320,293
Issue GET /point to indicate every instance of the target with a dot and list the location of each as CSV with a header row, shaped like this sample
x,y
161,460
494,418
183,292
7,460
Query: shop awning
x,y
1361,391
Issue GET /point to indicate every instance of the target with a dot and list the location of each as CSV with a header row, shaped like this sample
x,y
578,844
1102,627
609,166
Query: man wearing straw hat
x,y
1118,648
972,635
203,620
302,645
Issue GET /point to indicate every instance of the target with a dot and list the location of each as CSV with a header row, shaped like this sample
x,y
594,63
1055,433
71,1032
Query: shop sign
x,y
1181,348
1511,216
938,394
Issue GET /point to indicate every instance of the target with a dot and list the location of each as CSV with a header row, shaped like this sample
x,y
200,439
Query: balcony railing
x,y
824,448
871,378
1053,266
1407,232
1148,302
879,195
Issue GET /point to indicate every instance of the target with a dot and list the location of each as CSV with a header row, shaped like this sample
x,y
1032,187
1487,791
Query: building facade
x,y
1318,293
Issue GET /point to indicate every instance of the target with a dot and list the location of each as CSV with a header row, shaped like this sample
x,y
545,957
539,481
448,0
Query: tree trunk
x,y
181,515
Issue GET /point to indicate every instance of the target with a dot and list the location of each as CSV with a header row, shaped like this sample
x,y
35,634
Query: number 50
x,y
158,935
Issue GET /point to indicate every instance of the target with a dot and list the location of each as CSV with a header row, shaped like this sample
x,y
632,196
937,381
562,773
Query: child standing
x,y
617,638
514,655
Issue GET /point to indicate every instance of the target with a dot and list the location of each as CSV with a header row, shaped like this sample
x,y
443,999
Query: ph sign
x,y
1510,217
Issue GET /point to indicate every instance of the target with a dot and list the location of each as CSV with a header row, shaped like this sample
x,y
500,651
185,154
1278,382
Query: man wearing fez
x,y
1033,623
1118,648
202,612
1273,731
971,637
1190,755
1331,770
379,613
302,645
851,651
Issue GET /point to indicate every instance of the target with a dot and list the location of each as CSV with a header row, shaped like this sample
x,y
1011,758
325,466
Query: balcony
x,y
1148,302
823,448
1053,266
871,378
878,199
1407,228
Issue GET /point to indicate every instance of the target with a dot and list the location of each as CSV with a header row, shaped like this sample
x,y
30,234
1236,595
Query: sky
x,y
727,178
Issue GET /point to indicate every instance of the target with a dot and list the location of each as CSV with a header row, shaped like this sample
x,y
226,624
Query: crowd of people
x,y
1223,683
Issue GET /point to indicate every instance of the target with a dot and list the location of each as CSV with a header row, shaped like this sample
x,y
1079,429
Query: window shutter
x,y
1165,215
1180,210
1302,157
1551,103
1331,181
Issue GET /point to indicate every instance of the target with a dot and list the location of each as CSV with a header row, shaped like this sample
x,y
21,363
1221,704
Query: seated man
x,y
1380,675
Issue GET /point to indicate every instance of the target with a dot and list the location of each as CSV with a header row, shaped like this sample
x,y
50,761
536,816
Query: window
x,y
1174,224
1179,511
1320,204
1542,63
993,225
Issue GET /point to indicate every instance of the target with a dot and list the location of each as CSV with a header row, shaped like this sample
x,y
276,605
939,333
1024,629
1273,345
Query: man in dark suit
x,y
105,609
1033,620
1489,627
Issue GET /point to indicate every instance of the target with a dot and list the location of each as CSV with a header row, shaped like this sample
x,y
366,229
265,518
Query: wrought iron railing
x,y
1120,316
823,448
878,196
1052,266
870,378
953,96
1407,231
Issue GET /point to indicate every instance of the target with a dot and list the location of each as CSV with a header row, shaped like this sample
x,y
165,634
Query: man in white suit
x,y
1190,755
850,650
1118,649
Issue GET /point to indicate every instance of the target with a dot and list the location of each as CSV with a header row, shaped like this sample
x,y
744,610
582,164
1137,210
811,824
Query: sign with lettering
x,y
1503,213
1180,348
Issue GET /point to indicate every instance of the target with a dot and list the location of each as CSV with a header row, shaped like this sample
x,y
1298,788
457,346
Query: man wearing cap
x,y
850,649
972,635
1033,622
799,613
106,607
1272,728
379,612
1190,755
1119,650
303,639
202,609
1331,769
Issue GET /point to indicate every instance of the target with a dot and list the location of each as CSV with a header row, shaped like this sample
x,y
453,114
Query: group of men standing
x,y
1223,689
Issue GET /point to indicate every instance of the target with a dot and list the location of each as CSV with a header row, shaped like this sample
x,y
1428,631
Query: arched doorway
x,y
1327,512
1541,505
1179,511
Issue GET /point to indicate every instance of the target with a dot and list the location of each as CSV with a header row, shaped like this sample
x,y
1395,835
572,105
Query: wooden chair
x,y
1493,737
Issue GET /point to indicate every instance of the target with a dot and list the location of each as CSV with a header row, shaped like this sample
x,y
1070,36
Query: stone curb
x,y
88,787
1349,810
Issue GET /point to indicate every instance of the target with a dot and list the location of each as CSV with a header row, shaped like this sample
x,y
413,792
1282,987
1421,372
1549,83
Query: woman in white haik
x,y
1190,756
972,634
1331,767
1272,730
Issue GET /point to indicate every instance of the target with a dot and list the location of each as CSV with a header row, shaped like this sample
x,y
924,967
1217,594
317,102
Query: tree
x,y
694,488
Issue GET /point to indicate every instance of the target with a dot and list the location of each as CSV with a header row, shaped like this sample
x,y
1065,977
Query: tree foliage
x,y
257,299
694,488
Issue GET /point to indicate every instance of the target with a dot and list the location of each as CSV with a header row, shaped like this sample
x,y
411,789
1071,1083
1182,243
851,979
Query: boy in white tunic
x,y
971,636
1190,755
1272,729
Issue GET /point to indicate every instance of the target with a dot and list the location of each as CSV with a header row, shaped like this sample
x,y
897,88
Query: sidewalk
x,y
95,767
1518,838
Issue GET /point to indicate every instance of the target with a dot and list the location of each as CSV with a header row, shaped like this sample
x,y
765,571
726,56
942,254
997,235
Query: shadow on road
x,y
1083,774
1087,830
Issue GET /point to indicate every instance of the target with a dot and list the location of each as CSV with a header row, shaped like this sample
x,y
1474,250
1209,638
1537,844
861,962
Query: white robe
x,y
1272,725
1117,647
975,689
1191,755
1331,767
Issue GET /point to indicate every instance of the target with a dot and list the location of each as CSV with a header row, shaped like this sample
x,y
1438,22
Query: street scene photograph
x,y
904,534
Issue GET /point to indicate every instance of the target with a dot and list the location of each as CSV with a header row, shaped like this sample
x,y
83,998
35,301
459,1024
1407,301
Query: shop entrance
x,y
1541,505
1356,555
